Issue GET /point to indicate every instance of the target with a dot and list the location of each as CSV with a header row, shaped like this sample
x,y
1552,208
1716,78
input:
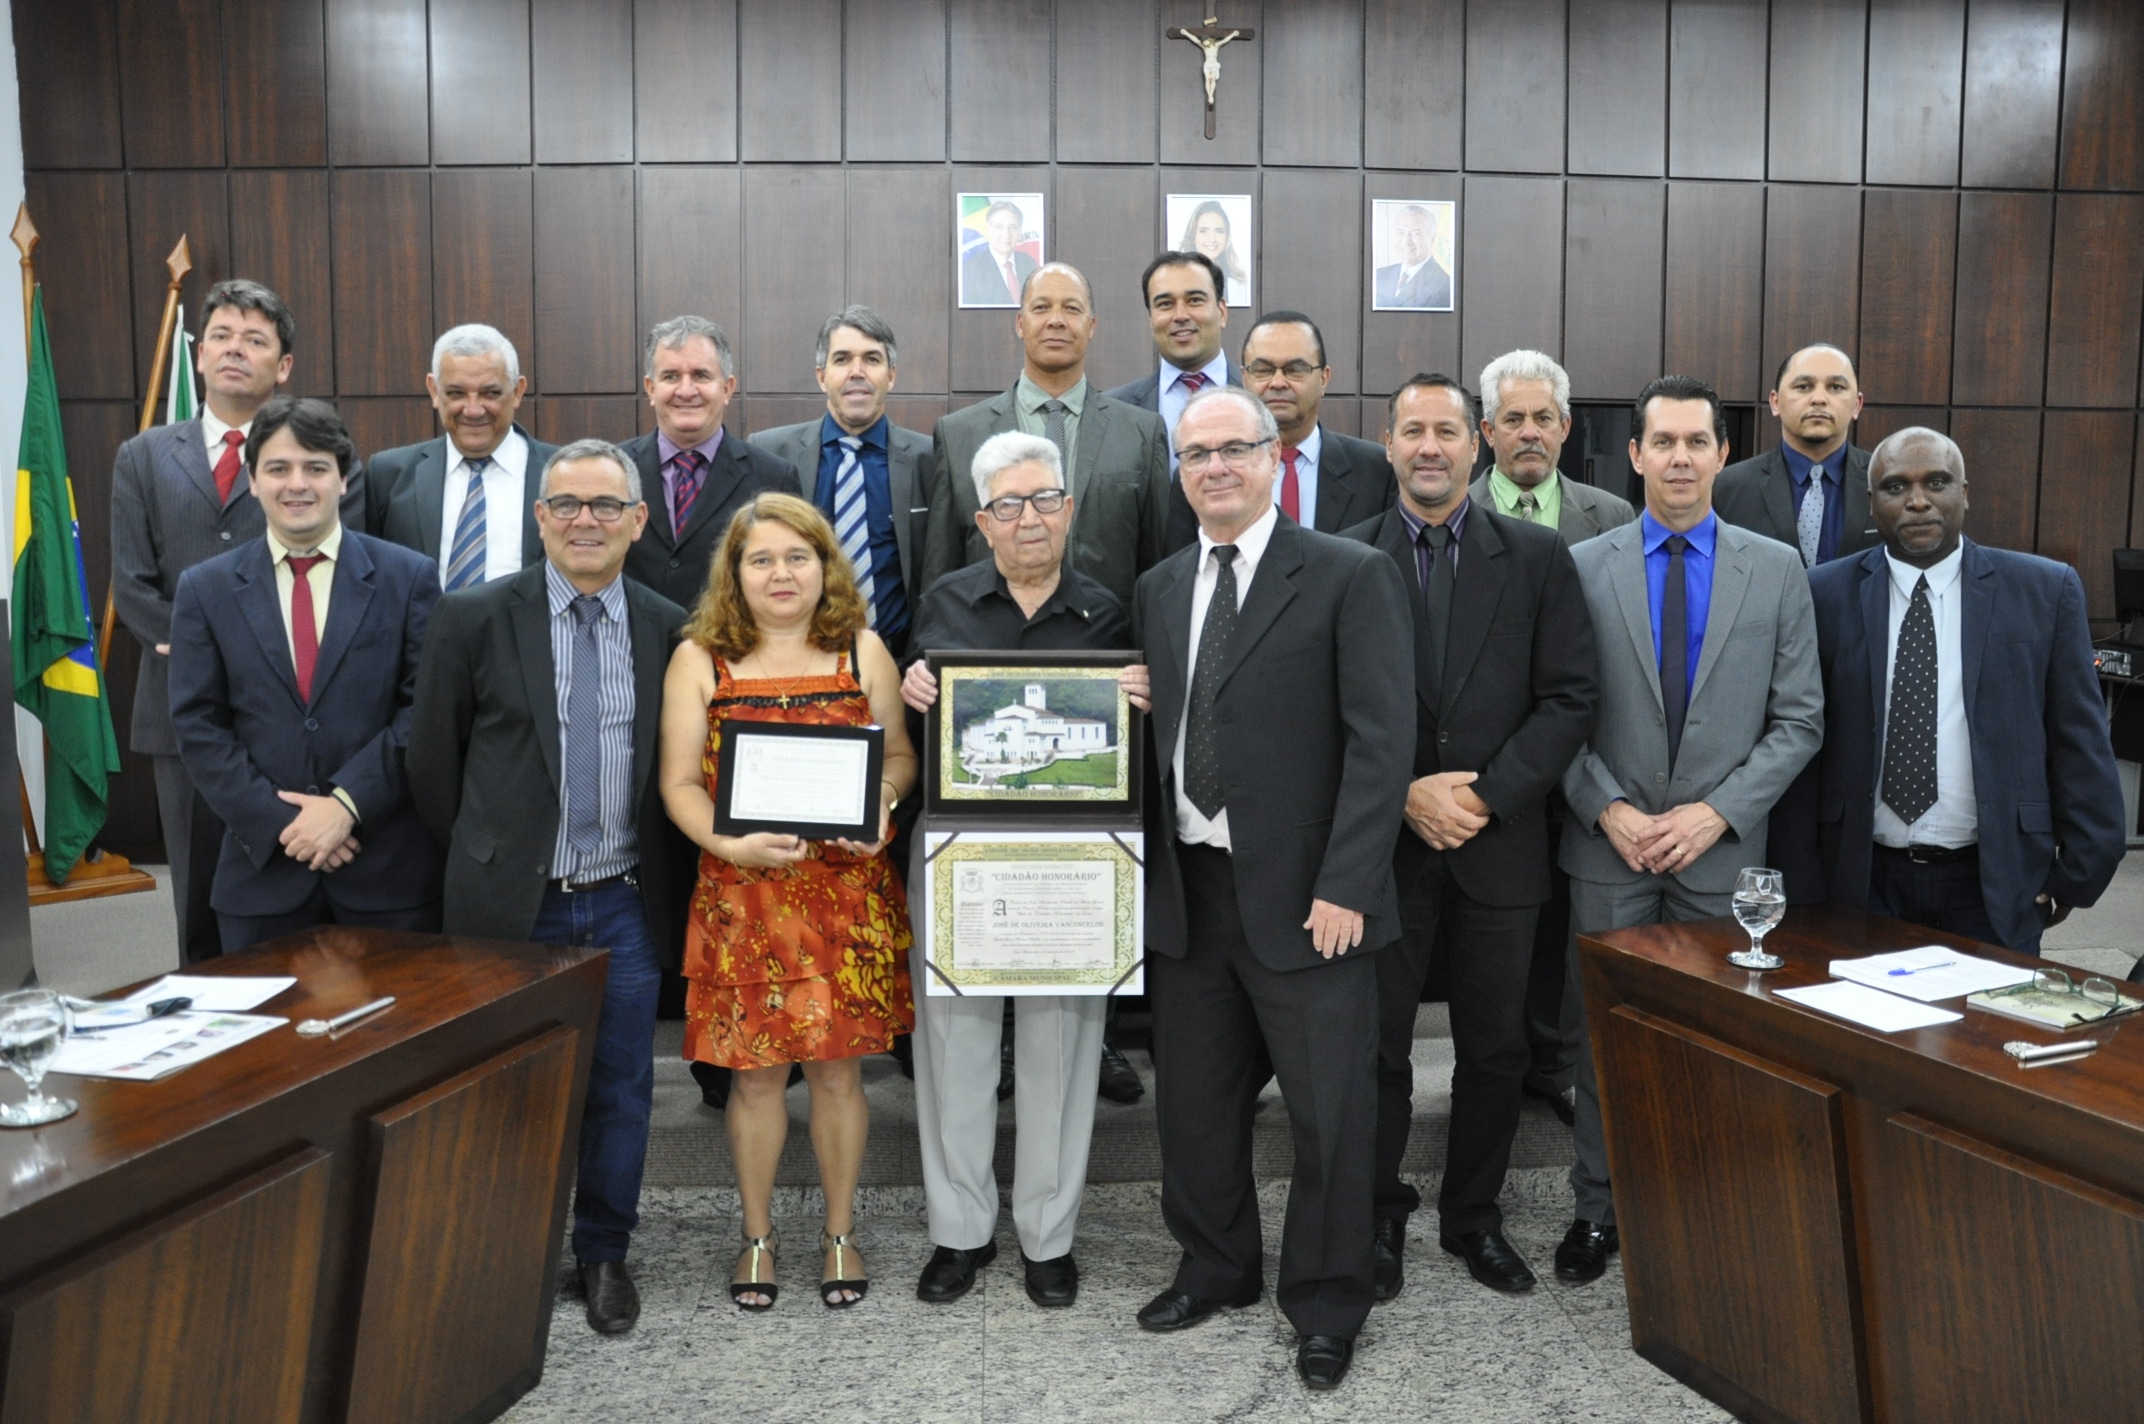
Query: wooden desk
x,y
364,1227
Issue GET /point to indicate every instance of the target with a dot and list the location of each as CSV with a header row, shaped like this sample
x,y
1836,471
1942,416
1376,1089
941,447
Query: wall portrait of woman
x,y
1219,225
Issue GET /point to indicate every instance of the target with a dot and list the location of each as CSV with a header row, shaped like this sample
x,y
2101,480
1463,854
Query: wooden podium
x,y
1822,1223
362,1227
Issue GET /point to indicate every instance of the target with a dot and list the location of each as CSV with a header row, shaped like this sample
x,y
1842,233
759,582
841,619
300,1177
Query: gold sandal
x,y
831,1288
758,1246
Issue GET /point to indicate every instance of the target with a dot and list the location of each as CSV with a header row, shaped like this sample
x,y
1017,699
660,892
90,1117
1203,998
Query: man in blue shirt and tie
x,y
1811,491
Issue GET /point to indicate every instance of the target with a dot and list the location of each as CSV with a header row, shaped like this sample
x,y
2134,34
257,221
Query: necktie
x,y
1053,429
1012,283
852,522
1809,523
689,472
1192,382
1202,748
228,465
1909,747
1291,489
465,561
1529,507
1674,645
304,626
1436,598
584,747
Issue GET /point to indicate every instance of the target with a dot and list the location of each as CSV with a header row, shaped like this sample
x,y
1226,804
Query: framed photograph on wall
x,y
1219,225
1414,249
1021,733
997,242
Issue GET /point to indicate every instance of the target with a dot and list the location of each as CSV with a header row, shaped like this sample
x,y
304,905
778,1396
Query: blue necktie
x,y
465,561
584,746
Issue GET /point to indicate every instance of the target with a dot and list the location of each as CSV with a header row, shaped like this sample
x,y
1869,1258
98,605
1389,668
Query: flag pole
x,y
178,264
24,234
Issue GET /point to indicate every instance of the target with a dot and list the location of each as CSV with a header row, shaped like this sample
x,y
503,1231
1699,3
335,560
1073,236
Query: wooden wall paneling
x,y
1716,62
171,79
87,273
1395,345
685,80
1107,71
691,229
379,100
1812,273
1311,123
584,280
276,112
279,237
2084,497
1817,59
1515,85
1303,267
480,81
1711,317
893,83
1618,88
581,57
1349,416
561,420
2096,306
2013,93
789,63
484,258
162,204
1615,240
2102,101
900,264
1909,261
749,415
1108,226
1237,99
917,412
379,423
985,356
795,270
999,113
1413,82
2002,469
1510,269
1916,90
2136,502
2001,323
1880,421
70,95
382,254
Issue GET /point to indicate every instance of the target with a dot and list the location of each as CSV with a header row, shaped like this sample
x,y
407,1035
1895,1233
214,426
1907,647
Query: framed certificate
x,y
1027,734
1032,912
821,783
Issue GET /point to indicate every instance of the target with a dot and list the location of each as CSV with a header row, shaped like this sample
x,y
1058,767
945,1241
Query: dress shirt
x,y
1171,397
506,495
1799,467
1407,273
1697,561
1456,521
1954,819
1306,477
973,608
886,589
1192,825
321,581
619,850
666,453
1504,492
212,432
1027,411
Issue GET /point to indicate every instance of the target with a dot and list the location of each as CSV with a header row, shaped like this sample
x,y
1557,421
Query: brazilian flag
x,y
55,646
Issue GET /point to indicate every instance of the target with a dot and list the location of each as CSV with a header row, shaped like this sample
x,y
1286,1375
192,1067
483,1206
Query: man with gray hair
x,y
695,476
462,499
550,809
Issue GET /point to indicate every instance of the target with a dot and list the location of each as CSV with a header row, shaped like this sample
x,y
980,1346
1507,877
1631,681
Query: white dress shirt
x,y
506,496
1306,477
212,432
1171,397
1192,826
1954,819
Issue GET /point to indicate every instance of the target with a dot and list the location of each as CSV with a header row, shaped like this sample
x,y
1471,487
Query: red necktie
x,y
1012,283
227,466
1194,381
1291,493
304,630
691,471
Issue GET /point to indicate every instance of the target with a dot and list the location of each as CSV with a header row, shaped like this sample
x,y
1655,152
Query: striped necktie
x,y
465,561
690,472
852,522
584,739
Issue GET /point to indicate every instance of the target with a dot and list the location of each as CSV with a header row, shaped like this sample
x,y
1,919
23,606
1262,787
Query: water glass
x,y
1760,904
33,1024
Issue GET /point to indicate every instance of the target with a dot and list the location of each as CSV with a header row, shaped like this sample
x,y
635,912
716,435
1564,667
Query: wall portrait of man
x,y
998,242
1413,254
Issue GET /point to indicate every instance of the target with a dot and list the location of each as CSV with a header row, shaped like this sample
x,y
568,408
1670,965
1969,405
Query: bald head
x,y
1917,444
1917,495
1055,323
1065,269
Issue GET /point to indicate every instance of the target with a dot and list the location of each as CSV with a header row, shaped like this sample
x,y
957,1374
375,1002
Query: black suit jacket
x,y
1516,698
484,757
1758,494
675,564
1355,483
1316,719
404,503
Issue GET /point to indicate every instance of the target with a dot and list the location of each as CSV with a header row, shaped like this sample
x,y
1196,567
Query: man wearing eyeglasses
x,y
1328,481
531,756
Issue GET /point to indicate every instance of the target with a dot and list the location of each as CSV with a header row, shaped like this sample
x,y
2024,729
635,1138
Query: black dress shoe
x,y
1051,1282
1490,1260
1585,1250
1120,1081
714,1081
1322,1360
1388,1252
1563,1102
950,1273
613,1303
1005,1069
1179,1310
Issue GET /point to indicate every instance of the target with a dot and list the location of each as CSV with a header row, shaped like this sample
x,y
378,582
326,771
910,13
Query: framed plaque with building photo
x,y
1025,733
1032,912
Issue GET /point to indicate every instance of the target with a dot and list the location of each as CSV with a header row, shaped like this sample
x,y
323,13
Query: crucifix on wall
x,y
1209,37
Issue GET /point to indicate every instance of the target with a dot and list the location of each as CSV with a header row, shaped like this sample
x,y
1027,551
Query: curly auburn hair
x,y
723,624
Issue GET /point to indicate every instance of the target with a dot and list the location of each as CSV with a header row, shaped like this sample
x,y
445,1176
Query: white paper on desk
x,y
148,1051
1871,1008
1932,972
215,993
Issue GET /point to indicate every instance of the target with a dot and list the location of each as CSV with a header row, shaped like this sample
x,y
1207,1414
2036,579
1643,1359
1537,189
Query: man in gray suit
x,y
180,496
1117,455
1811,492
466,499
1711,704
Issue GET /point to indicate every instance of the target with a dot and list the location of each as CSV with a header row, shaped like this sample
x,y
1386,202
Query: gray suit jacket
x,y
1585,512
908,464
408,491
1758,494
1756,713
165,519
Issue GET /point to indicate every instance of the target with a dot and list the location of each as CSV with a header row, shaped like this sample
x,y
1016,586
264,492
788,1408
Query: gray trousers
x,y
1654,900
1058,1042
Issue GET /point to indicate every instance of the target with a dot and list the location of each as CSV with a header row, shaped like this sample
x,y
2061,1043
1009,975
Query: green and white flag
x,y
179,394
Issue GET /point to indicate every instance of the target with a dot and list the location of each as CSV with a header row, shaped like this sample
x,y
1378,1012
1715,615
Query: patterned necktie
x,y
689,472
1053,426
1192,382
465,561
584,740
228,465
304,625
1809,523
1529,507
1675,645
1202,749
1909,746
852,522
1291,489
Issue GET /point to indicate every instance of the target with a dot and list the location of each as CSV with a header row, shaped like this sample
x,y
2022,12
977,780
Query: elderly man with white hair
x,y
1526,417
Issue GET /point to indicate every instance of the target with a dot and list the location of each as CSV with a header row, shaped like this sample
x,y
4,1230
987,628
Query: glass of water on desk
x,y
33,1024
1760,904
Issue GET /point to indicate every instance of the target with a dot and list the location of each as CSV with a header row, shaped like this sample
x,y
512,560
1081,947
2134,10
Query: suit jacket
x,y
674,564
484,758
405,504
245,734
1146,391
1755,716
1759,494
2048,797
1120,488
1430,289
1182,526
983,281
1355,483
1316,718
1584,512
908,456
165,519
1515,699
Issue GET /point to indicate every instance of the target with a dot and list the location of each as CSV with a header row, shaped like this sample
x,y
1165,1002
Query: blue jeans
x,y
621,1081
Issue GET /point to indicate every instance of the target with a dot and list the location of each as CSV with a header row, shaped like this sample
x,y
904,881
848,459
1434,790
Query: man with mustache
x,y
1811,492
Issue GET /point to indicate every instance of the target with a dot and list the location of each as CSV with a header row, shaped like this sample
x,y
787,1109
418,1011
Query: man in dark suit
x,y
532,758
1117,455
1282,695
994,273
1418,281
179,496
1966,780
695,476
462,499
1188,313
1505,687
1328,481
290,695
1811,491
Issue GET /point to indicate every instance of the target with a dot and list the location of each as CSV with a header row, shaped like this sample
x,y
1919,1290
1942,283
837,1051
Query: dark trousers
x,y
321,908
1218,1013
1551,997
193,838
1488,955
1945,896
621,1079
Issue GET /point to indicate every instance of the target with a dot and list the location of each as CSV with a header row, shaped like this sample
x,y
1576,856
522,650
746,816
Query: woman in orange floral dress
x,y
795,951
